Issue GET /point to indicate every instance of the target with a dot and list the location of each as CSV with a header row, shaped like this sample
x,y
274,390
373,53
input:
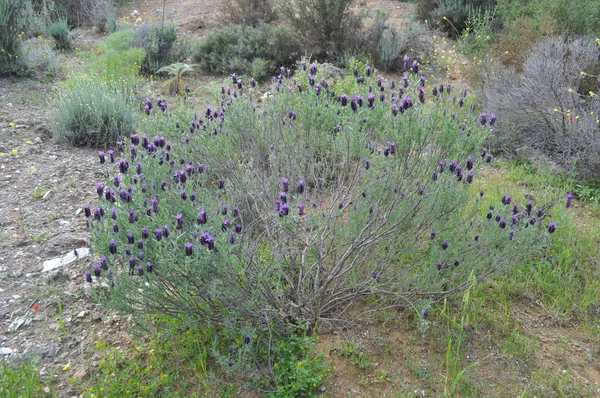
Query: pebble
x,y
6,351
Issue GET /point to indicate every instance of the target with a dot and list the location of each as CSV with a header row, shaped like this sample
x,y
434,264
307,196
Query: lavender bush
x,y
310,208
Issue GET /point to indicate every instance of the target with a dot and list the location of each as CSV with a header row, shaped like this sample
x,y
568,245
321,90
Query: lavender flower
x,y
188,248
97,271
432,235
470,177
492,119
483,118
300,209
112,247
87,211
284,210
368,71
552,226
502,223
221,183
444,244
149,266
248,336
88,276
158,234
238,228
179,221
145,232
367,164
488,159
140,244
469,162
130,238
569,197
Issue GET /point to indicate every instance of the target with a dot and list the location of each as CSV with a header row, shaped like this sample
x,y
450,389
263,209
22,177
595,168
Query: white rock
x,y
135,13
6,351
68,258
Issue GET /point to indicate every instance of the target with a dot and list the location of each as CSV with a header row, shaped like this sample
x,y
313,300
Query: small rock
x,y
68,258
135,13
6,351
80,373
82,314
46,195
63,223
96,317
86,288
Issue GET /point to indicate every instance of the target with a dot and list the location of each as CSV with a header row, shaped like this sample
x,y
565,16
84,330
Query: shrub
x,y
39,58
571,16
159,41
245,49
542,110
394,43
93,112
250,12
451,15
103,16
10,29
59,30
327,28
303,211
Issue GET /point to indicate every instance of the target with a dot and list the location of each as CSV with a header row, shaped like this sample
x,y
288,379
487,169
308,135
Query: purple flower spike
x,y
284,184
130,237
221,183
489,157
148,266
511,234
97,271
367,164
179,221
103,262
569,196
284,210
87,211
231,237
248,337
444,244
552,226
188,248
424,313
470,177
300,187
434,175
368,71
502,223
202,217
101,156
483,118
112,247
376,275
492,119
469,162
432,235
88,276
225,224
238,228
224,209
300,209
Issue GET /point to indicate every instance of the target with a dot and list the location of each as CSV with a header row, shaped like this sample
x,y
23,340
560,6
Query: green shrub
x,y
326,28
571,16
59,30
394,43
38,58
245,49
451,15
88,111
159,41
373,173
250,12
10,29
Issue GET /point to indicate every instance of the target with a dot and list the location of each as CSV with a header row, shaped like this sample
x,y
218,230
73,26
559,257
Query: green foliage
x,y
394,43
245,49
451,15
571,16
116,59
250,12
21,379
159,41
59,30
10,28
88,111
171,362
478,32
39,59
297,371
326,27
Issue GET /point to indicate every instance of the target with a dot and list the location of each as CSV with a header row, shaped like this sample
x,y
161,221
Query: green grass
x,y
21,379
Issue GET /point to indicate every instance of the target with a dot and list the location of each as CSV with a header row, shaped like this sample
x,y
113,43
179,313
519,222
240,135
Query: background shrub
x,y
451,15
87,111
245,49
38,58
250,12
10,29
59,31
159,41
541,108
394,43
326,28
103,15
